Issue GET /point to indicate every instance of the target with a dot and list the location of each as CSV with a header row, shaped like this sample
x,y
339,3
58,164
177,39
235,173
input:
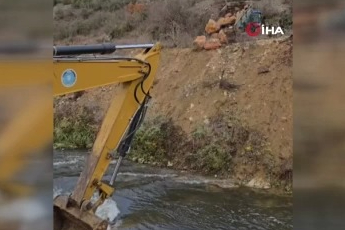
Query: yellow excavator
x,y
78,68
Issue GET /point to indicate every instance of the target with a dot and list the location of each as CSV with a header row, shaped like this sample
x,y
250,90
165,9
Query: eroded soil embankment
x,y
226,112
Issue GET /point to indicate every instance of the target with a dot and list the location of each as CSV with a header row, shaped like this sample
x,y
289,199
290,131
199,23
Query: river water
x,y
151,198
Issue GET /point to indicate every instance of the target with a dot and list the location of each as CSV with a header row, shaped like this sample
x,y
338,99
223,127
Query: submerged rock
x,y
258,183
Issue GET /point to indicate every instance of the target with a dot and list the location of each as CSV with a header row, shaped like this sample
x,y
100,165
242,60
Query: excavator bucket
x,y
67,217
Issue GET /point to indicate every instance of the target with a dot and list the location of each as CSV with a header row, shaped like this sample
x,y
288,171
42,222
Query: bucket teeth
x,y
69,217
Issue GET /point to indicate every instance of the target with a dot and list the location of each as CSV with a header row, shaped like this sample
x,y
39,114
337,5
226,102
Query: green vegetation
x,y
225,146
157,142
74,129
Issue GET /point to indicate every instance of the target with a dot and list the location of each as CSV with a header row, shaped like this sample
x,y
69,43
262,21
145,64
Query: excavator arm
x,y
77,68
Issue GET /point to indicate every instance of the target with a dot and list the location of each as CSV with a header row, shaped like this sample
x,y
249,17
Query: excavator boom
x,y
75,70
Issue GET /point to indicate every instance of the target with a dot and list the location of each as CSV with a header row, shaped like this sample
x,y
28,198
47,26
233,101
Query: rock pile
x,y
218,32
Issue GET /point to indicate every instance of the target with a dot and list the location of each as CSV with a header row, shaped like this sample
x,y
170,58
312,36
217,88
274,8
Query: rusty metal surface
x,y
68,217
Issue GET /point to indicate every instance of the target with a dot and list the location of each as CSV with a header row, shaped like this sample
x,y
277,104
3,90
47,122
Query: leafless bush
x,y
276,12
104,5
91,23
269,8
79,26
174,23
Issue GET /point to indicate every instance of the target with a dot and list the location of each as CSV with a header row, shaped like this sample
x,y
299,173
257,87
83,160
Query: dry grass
x,y
70,22
174,23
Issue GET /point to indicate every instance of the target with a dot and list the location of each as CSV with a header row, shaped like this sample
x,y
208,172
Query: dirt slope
x,y
250,81
188,88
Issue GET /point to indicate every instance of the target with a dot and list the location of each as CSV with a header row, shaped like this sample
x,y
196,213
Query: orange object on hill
x,y
226,21
212,44
212,27
199,42
222,37
135,8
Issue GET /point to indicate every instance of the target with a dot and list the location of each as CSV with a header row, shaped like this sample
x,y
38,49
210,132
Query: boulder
x,y
212,27
232,20
199,42
212,44
221,21
259,183
222,37
226,21
215,35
